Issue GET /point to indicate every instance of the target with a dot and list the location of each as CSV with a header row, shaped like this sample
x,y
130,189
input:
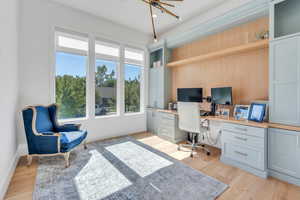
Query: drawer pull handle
x,y
240,138
240,129
243,154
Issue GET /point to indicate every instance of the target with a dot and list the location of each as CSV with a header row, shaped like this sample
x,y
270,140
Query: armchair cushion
x,y
43,121
69,140
68,127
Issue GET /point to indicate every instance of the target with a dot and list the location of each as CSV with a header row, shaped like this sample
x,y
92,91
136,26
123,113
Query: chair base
x,y
66,156
194,145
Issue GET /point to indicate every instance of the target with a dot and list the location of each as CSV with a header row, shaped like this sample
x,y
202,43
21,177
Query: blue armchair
x,y
45,137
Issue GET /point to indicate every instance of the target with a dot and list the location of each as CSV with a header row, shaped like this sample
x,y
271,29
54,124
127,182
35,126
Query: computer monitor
x,y
189,94
222,96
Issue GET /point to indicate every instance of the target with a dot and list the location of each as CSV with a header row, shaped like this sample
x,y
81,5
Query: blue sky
x,y
75,65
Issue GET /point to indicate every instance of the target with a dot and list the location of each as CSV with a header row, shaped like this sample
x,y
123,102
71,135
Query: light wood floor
x,y
243,186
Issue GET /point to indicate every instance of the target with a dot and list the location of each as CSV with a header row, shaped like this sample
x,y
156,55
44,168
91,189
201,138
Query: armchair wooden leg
x,y
67,156
84,144
29,160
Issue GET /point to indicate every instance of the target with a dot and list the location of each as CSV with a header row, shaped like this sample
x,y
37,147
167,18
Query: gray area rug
x,y
122,169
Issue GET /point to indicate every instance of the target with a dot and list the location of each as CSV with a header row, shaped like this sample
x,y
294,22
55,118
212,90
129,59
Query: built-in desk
x,y
243,122
264,149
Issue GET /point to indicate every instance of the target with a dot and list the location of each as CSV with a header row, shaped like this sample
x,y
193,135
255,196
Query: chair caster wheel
x,y
208,153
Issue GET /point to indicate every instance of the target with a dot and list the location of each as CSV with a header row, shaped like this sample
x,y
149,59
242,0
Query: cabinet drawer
x,y
246,130
242,139
167,120
166,131
167,116
245,155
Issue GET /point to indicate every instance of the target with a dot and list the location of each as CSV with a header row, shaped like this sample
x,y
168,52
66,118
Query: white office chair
x,y
190,121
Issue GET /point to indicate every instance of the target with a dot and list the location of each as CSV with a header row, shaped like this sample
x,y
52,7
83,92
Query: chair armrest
x,y
47,143
68,127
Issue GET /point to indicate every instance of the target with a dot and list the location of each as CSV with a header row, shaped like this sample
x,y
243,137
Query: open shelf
x,y
225,52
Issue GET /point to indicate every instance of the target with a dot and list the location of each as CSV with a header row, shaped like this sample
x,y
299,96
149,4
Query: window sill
x,y
133,114
107,116
72,120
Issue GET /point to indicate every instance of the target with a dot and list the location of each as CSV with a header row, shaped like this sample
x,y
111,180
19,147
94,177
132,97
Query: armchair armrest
x,y
47,143
68,127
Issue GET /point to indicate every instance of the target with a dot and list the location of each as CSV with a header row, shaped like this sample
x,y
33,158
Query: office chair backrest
x,y
189,116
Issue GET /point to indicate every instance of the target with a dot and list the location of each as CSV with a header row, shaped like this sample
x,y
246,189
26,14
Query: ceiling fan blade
x,y
152,20
146,1
168,12
166,4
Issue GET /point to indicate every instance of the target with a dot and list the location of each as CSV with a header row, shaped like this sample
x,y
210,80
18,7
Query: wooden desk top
x,y
242,122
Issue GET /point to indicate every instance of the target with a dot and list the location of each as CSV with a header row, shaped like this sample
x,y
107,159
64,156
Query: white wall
x,y
38,21
8,89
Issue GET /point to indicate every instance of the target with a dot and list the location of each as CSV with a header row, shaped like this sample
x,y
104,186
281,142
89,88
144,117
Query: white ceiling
x,y
135,13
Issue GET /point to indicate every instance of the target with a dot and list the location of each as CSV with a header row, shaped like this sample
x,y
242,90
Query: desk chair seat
x,y
190,121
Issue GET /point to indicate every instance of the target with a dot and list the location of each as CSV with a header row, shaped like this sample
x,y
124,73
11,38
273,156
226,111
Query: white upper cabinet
x,y
284,18
285,81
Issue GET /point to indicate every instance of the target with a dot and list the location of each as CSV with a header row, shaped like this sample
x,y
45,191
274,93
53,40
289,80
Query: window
x,y
110,85
107,62
70,76
133,68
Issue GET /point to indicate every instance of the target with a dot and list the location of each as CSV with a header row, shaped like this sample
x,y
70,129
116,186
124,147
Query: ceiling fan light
x,y
154,16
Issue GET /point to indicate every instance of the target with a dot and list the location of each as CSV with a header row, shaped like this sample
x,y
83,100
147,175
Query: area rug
x,y
122,169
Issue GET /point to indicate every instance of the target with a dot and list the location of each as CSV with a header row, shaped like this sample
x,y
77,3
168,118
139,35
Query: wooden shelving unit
x,y
225,52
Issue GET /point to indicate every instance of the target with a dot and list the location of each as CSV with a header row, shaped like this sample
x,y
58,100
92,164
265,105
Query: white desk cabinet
x,y
152,118
284,154
245,147
168,128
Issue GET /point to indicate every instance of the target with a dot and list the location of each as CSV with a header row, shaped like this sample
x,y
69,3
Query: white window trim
x,y
118,74
76,52
143,79
90,73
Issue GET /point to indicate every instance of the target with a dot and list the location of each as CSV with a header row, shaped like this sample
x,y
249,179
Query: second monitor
x,y
222,96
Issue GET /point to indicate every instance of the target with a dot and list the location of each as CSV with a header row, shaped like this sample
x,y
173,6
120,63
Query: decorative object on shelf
x,y
241,112
160,5
224,112
257,112
157,64
263,35
170,106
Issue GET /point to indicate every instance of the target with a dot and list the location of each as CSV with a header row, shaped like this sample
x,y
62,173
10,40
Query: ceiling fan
x,y
161,5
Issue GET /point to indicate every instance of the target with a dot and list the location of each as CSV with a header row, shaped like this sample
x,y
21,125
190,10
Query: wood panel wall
x,y
246,73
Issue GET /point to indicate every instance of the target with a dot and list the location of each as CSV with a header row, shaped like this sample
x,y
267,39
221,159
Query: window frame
x,y
57,49
142,65
92,56
118,69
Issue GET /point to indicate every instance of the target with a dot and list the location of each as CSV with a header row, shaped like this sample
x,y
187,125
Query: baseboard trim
x,y
10,173
262,174
22,150
284,177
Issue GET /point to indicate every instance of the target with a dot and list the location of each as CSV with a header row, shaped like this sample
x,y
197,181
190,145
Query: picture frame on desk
x,y
257,112
241,112
224,112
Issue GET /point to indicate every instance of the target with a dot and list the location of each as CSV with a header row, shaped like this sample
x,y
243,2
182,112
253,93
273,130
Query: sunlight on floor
x,y
99,178
165,146
139,159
